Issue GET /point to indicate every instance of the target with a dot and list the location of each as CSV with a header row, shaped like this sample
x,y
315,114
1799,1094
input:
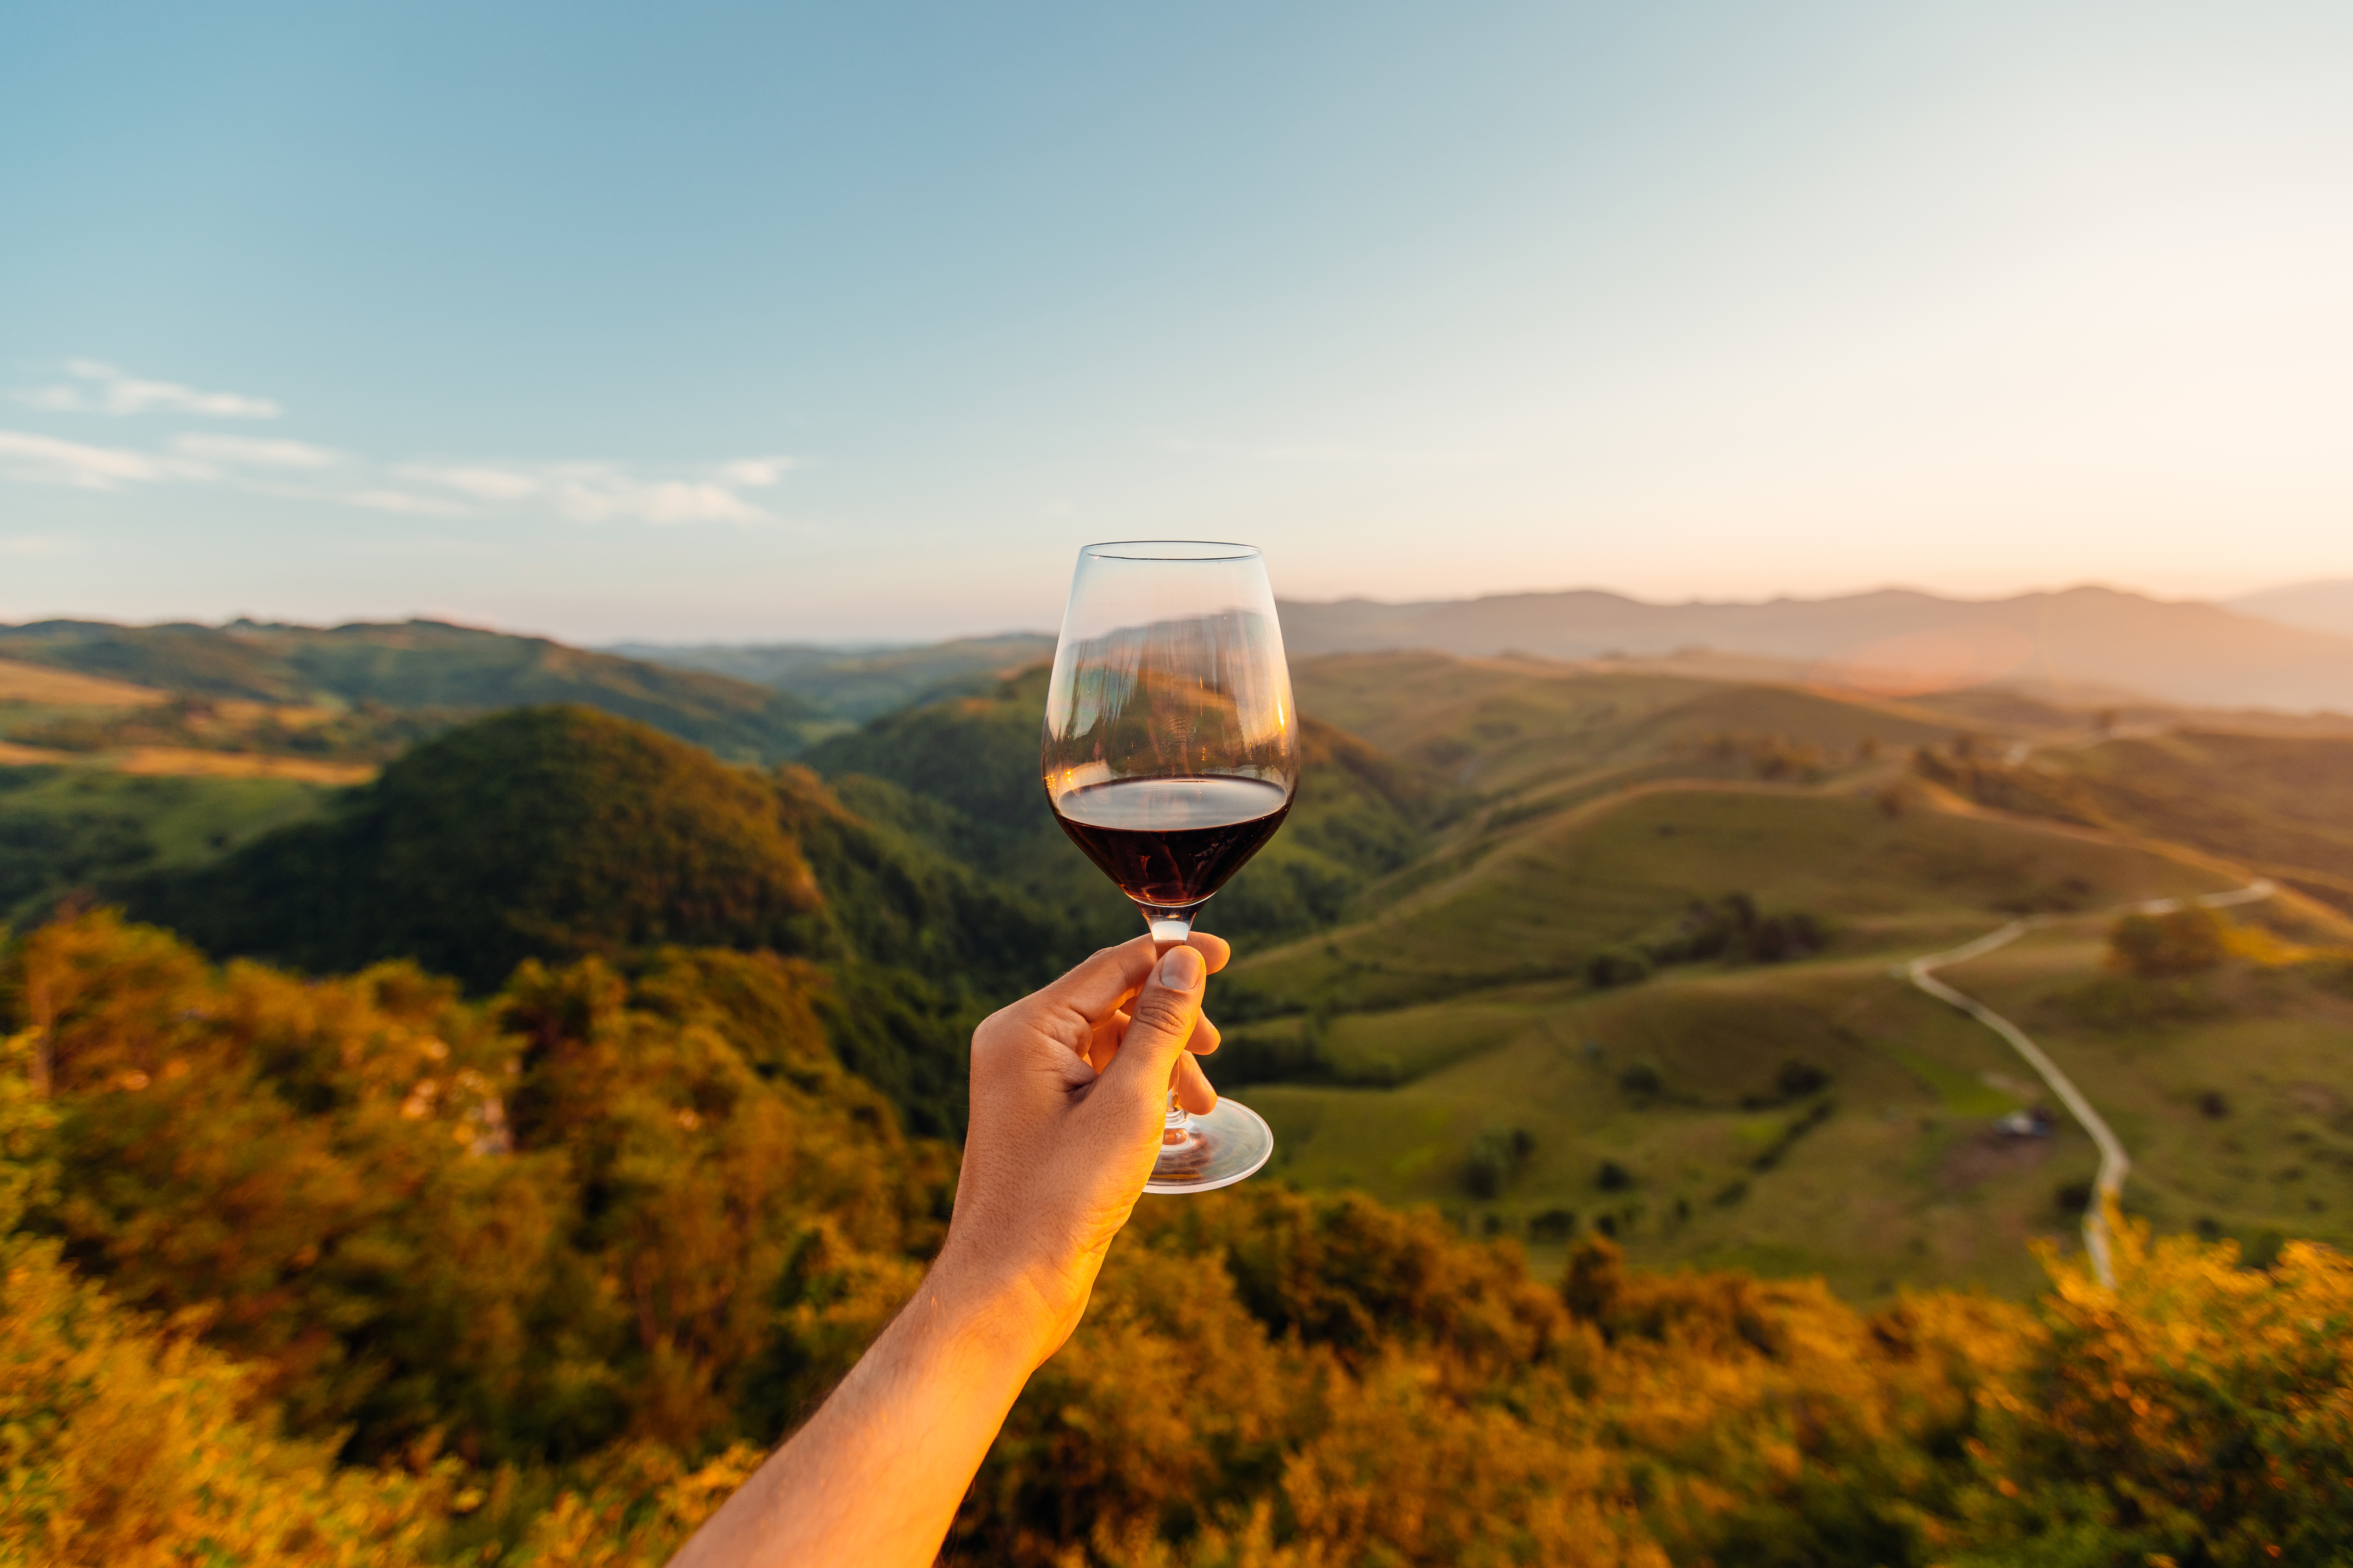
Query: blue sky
x,y
789,322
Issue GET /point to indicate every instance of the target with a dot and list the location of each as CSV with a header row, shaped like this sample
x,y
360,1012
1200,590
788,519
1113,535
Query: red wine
x,y
1172,842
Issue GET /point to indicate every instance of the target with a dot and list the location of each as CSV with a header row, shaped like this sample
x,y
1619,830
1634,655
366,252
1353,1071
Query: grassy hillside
x,y
62,827
1534,730
422,665
1816,1116
2283,804
1540,897
1515,1026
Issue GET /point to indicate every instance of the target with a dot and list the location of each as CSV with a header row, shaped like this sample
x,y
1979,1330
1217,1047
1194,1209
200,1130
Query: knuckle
x,y
990,1038
1162,1014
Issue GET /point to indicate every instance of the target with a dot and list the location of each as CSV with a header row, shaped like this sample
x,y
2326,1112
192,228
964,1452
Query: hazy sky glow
x,y
797,323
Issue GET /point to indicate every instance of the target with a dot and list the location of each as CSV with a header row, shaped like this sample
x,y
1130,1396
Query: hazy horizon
x,y
1047,628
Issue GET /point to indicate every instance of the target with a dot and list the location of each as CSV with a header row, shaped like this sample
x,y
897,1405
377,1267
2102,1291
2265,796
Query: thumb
x,y
1159,1021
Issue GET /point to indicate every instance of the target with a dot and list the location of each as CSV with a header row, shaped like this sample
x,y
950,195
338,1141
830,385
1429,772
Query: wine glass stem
x,y
1169,929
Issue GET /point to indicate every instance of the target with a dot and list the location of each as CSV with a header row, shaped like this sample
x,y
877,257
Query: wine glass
x,y
1171,755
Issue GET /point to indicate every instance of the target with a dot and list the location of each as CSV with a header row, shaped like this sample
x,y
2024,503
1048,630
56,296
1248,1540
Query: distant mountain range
x,y
2315,607
1894,642
2288,649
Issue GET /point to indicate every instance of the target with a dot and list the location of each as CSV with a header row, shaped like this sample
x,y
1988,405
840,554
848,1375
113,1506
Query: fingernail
x,y
1182,969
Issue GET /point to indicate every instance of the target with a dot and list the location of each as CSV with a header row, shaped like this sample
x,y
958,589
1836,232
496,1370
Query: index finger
x,y
1101,982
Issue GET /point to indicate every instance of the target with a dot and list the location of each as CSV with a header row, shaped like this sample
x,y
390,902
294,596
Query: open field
x,y
52,687
2234,1091
187,761
65,827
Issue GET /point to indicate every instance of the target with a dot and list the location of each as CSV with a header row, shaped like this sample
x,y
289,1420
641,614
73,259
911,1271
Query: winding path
x,y
2114,1164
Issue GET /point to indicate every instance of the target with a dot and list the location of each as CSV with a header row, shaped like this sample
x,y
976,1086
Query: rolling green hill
x,y
2281,804
1530,727
424,665
1448,1041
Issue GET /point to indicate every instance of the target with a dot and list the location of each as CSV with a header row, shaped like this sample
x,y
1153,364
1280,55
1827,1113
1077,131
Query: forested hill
x,y
560,833
424,665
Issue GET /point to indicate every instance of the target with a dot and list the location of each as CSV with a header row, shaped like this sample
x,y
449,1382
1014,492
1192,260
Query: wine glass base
x,y
1213,1151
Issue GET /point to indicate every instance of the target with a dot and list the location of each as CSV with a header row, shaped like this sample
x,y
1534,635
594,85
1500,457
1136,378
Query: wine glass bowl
x,y
1170,757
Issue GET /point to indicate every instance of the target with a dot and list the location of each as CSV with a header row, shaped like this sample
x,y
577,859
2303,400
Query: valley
x,y
1556,948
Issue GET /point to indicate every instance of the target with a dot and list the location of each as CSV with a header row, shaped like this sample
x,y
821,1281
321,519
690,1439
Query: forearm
x,y
875,1475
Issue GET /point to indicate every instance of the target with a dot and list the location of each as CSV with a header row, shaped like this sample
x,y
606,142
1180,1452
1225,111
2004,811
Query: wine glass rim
x,y
1192,550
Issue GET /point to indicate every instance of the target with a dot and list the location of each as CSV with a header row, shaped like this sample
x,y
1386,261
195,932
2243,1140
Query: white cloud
x,y
403,501
757,473
664,503
483,484
244,451
103,389
670,495
46,459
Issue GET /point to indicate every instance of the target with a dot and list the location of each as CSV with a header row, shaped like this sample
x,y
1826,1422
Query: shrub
x,y
1498,1156
1796,1079
1616,965
1552,1224
2180,941
1779,938
1641,1080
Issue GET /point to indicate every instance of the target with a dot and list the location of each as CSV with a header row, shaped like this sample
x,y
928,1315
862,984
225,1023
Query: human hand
x,y
1069,1087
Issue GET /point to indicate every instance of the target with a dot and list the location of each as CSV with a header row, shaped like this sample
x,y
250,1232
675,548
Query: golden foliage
x,y
640,1220
126,1445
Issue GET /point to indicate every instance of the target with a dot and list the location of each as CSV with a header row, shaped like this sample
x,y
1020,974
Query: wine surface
x,y
1172,842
